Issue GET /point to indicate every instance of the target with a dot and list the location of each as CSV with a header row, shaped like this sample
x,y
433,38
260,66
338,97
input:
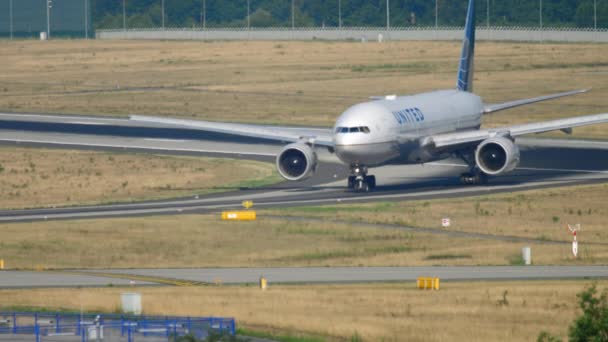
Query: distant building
x,y
29,17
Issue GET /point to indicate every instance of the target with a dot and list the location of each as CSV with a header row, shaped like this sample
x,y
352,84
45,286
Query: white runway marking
x,y
87,123
445,164
561,170
165,140
526,168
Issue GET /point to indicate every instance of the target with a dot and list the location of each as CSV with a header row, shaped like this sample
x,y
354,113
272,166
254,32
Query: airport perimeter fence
x,y
41,327
525,34
80,18
27,18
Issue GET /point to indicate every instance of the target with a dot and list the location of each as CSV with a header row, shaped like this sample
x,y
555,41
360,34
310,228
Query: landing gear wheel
x,y
361,186
371,181
351,181
474,178
359,181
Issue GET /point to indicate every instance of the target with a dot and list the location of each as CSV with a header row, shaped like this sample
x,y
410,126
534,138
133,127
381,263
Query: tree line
x,y
308,13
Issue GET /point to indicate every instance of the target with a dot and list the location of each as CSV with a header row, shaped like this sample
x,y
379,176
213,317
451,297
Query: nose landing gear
x,y
359,181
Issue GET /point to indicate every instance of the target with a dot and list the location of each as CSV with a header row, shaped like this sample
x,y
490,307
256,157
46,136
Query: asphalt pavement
x,y
28,279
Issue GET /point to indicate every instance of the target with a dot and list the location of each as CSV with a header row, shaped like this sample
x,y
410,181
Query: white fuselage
x,y
390,130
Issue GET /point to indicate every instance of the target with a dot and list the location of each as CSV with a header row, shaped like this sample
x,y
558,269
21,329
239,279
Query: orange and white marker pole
x,y
573,230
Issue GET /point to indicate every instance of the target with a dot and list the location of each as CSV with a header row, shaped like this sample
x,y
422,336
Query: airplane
x,y
412,129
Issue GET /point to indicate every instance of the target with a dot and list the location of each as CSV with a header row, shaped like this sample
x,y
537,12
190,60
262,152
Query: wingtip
x,y
136,117
581,91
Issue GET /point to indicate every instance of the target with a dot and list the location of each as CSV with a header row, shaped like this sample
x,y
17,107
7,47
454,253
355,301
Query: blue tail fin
x,y
465,69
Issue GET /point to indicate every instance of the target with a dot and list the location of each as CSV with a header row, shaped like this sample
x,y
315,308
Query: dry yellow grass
x,y
44,177
539,214
206,241
460,311
289,82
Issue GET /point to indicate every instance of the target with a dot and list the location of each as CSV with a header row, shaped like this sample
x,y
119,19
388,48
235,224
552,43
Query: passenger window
x,y
354,129
365,130
344,130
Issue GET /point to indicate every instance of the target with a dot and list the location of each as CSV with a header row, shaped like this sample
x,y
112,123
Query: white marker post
x,y
573,230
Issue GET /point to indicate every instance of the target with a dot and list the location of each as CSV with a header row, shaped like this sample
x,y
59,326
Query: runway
x,y
545,163
295,275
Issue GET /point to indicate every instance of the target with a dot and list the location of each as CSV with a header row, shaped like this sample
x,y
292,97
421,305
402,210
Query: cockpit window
x,y
363,129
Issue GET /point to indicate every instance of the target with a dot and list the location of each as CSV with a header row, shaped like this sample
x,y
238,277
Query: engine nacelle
x,y
497,155
296,162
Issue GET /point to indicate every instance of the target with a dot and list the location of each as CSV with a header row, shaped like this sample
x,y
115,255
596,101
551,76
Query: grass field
x,y
34,177
459,311
306,83
538,214
206,241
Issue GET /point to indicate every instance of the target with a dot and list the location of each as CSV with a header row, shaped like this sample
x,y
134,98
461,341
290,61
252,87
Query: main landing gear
x,y
359,181
475,176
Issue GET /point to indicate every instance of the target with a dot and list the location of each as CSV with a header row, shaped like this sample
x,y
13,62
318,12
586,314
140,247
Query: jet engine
x,y
497,155
296,162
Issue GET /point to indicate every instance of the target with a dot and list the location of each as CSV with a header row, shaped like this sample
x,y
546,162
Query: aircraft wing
x,y
317,136
511,104
447,140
